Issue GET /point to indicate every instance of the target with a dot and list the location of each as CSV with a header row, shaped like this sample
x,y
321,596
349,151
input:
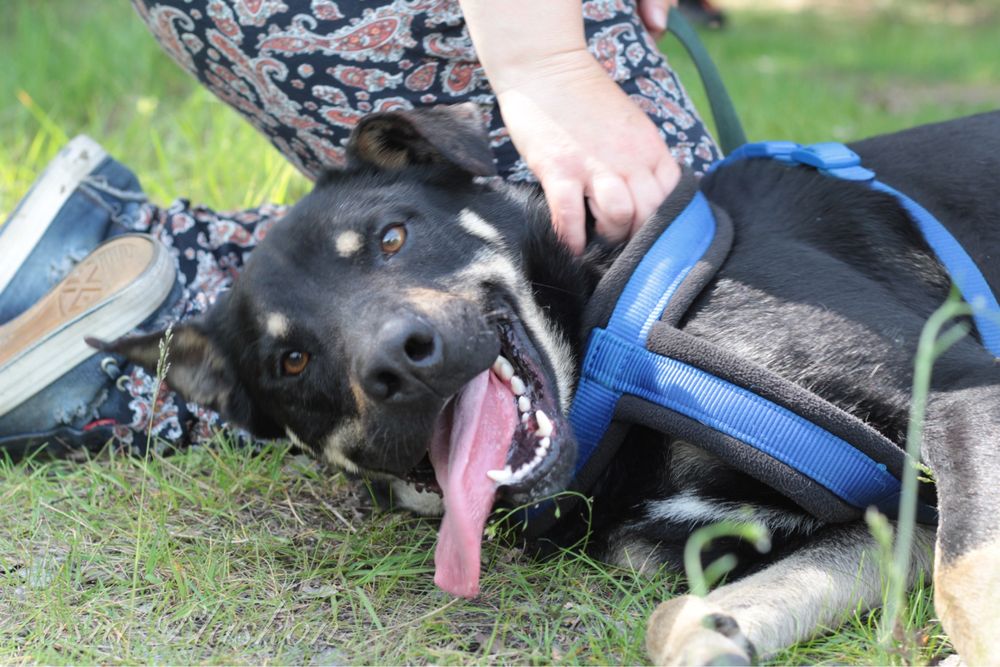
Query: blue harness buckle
x,y
827,155
831,158
834,159
777,150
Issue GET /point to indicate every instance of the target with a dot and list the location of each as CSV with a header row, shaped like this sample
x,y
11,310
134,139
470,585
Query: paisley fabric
x,y
304,71
209,249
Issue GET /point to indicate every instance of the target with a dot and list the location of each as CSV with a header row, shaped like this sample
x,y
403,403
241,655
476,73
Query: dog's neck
x,y
562,283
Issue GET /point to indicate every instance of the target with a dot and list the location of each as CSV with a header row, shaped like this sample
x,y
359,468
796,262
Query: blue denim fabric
x,y
81,409
104,399
103,205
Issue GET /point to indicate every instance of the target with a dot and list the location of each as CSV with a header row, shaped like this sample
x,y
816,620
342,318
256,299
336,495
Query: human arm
x,y
575,128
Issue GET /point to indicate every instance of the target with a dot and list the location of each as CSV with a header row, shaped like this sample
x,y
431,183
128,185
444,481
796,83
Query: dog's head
x,y
405,319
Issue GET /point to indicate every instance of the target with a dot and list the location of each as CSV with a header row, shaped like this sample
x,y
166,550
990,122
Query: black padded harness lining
x,y
665,339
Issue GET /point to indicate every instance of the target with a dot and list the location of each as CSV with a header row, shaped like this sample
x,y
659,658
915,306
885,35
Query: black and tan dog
x,y
410,322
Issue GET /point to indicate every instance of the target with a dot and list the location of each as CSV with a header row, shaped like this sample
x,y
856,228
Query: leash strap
x,y
837,160
727,122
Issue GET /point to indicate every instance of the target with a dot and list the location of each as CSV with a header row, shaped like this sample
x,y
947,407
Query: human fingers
x,y
647,195
565,200
668,173
612,206
654,15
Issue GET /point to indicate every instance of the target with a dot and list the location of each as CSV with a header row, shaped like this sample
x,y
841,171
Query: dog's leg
x,y
806,592
962,447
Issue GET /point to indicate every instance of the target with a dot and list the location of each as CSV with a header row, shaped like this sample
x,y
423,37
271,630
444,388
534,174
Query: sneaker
x,y
120,285
83,197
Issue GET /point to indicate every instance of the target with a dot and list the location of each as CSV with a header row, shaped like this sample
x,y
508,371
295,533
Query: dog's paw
x,y
690,631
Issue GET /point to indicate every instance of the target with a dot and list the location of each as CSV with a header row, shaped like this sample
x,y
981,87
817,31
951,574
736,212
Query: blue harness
x,y
826,460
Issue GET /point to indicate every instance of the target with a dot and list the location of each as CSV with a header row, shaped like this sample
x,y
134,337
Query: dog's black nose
x,y
406,355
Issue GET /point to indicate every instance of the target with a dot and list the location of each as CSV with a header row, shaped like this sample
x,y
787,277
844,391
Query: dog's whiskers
x,y
535,283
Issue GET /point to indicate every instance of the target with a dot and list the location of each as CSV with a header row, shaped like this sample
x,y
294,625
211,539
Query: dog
x,y
416,322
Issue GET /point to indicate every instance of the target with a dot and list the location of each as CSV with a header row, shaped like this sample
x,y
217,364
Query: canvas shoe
x,y
82,197
50,379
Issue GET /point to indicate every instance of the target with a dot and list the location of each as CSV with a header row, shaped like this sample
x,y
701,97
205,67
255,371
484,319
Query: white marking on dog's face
x,y
277,325
478,227
337,442
521,194
490,266
348,243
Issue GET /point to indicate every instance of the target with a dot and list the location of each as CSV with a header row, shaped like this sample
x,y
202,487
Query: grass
x,y
223,555
258,557
821,76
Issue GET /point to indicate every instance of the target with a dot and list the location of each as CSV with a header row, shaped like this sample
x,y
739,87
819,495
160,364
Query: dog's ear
x,y
197,369
442,135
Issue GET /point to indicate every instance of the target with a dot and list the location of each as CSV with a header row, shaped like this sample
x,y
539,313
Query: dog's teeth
x,y
544,443
525,417
523,472
517,385
503,368
500,476
544,429
523,404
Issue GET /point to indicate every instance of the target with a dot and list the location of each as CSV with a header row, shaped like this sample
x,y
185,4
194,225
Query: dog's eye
x,y
393,239
294,362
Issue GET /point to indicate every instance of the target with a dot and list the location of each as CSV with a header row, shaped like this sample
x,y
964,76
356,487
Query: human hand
x,y
583,137
654,15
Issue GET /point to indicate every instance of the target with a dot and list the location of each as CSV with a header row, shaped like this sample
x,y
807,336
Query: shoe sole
x,y
112,291
31,219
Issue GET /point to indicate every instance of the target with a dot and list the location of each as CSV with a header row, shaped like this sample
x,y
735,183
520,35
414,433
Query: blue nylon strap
x,y
621,367
617,363
837,160
961,268
649,289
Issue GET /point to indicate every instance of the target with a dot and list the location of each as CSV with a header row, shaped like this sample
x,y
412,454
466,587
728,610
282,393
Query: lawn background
x,y
226,556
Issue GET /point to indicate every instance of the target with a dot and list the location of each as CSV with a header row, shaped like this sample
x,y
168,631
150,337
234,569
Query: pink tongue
x,y
481,430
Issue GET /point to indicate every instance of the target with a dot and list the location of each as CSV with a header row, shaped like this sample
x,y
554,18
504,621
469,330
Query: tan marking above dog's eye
x,y
393,239
294,362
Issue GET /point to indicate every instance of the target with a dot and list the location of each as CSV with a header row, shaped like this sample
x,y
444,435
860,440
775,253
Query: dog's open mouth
x,y
503,432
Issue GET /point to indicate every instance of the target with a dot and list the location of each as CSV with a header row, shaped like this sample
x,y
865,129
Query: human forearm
x,y
516,39
578,132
